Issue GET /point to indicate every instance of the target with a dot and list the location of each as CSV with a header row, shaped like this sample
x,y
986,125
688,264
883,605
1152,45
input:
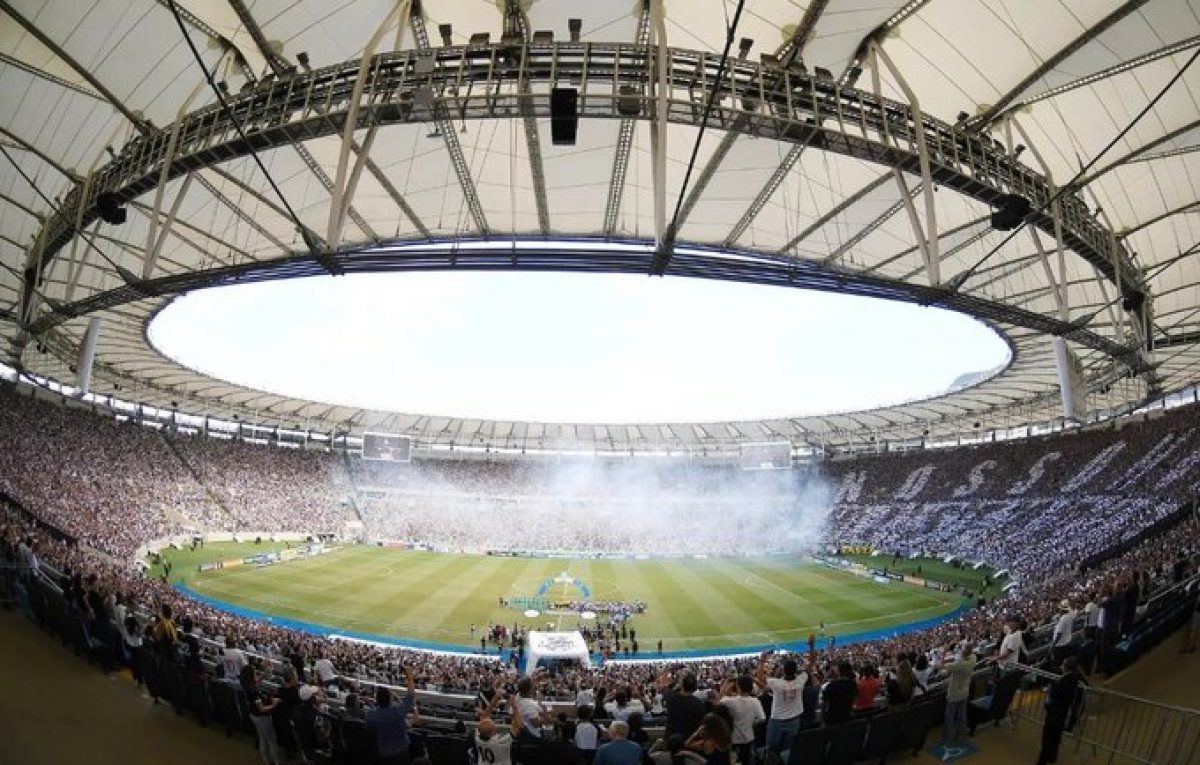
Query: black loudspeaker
x,y
564,116
1012,209
1133,301
109,208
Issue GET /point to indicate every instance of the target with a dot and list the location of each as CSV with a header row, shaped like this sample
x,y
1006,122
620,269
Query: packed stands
x,y
122,484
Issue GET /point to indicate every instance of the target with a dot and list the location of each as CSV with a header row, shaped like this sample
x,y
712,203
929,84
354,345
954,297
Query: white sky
x,y
572,347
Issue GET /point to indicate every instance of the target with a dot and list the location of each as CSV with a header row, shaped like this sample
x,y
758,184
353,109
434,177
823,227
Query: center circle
x,y
571,347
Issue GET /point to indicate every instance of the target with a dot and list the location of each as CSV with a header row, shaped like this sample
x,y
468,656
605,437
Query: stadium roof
x,y
848,145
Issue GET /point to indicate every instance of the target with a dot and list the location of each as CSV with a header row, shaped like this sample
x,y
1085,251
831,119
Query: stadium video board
x,y
387,447
776,455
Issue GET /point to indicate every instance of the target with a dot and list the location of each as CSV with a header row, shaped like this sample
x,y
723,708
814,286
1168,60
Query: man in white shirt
x,y
584,695
494,747
745,709
323,668
232,659
1062,632
1012,645
787,703
532,712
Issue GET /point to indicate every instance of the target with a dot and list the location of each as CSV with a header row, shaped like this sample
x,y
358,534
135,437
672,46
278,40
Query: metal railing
x,y
1114,727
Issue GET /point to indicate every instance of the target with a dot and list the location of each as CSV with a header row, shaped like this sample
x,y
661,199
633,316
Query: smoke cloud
x,y
634,506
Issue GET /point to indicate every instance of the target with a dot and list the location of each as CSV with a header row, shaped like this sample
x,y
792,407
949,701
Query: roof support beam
x,y
278,64
865,231
323,178
237,210
1112,71
926,244
854,68
1189,207
1136,153
208,31
840,208
947,253
930,236
516,27
441,118
710,169
21,143
1057,286
765,193
658,127
793,48
42,74
1047,66
1061,285
343,188
616,183
156,238
153,243
79,69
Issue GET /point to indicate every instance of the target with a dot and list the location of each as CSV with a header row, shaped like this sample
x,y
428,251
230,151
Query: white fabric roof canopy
x,y
1073,74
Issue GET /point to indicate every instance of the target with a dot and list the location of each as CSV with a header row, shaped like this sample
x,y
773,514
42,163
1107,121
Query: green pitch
x,y
691,604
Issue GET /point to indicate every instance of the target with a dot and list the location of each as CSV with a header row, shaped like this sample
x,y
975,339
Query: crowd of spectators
x,y
1030,506
270,488
1037,507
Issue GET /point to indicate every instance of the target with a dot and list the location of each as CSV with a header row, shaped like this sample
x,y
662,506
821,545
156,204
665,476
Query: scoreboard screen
x,y
769,456
387,447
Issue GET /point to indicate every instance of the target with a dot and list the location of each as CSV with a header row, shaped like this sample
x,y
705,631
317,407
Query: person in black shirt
x,y
191,648
1063,698
839,695
684,710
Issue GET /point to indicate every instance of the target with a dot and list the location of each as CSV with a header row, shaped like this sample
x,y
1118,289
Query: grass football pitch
x,y
691,603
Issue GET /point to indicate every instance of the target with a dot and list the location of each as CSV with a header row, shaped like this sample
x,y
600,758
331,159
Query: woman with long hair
x,y
713,739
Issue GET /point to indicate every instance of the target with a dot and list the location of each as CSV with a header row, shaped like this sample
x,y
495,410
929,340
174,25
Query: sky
x,y
572,347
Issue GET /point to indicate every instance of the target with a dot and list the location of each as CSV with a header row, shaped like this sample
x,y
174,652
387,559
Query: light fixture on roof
x,y
447,32
575,27
744,46
1018,149
302,59
961,118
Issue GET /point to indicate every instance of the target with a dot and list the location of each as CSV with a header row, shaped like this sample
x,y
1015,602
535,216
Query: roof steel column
x,y
42,74
462,169
1045,67
931,239
616,183
516,27
658,128
79,69
342,188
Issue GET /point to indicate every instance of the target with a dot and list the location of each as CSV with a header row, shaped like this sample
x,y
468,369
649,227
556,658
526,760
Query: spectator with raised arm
x,y
787,702
389,722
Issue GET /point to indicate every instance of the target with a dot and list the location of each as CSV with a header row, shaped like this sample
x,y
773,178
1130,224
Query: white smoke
x,y
635,505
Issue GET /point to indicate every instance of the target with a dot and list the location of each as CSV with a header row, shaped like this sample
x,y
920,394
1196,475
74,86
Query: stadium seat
x,y
809,746
447,750
921,718
229,707
195,696
846,742
883,733
994,707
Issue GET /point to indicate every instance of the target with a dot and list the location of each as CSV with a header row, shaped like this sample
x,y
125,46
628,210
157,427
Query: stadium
x,y
550,381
